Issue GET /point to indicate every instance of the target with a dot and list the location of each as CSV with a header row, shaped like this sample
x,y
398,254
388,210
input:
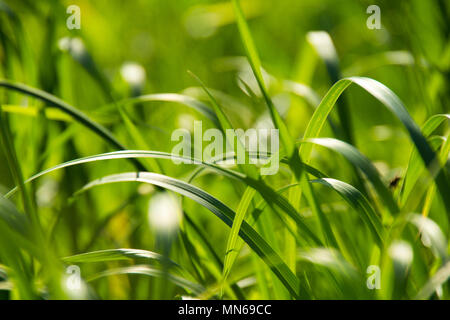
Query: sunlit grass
x,y
88,180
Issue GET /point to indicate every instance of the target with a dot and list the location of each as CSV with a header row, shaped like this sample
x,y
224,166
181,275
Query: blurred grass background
x,y
90,67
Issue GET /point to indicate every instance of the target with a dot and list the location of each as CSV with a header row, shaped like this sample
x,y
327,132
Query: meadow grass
x,y
359,208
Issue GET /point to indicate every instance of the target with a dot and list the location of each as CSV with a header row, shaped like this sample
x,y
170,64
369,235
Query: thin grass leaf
x,y
225,124
177,98
227,215
358,160
118,254
268,193
431,234
232,251
50,113
359,203
438,279
153,272
415,166
390,101
255,64
68,109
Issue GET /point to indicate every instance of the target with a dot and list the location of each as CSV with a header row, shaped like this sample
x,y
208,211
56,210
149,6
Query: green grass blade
x,y
415,166
177,98
153,272
390,101
431,233
285,136
225,124
118,254
227,215
232,251
323,44
358,160
268,193
359,203
68,109
255,64
439,278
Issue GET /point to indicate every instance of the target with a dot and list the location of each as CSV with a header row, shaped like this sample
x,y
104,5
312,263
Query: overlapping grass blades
x,y
227,215
68,109
390,101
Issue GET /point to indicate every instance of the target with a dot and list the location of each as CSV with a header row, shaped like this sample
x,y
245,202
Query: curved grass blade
x,y
255,64
390,101
358,160
389,58
153,272
68,109
119,254
174,97
268,193
439,278
287,142
359,203
233,243
415,167
323,44
225,124
227,215
431,234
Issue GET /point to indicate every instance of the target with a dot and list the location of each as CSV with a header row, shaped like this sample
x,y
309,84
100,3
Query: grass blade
x,y
359,202
227,215
233,243
153,272
390,101
358,160
68,109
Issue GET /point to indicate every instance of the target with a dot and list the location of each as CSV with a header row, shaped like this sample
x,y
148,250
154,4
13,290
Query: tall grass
x,y
358,210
